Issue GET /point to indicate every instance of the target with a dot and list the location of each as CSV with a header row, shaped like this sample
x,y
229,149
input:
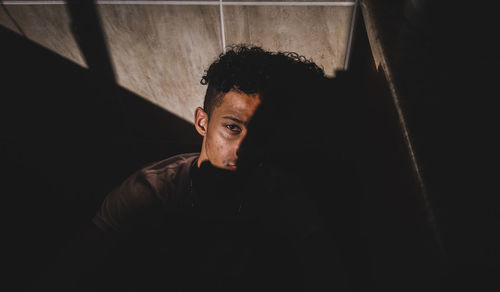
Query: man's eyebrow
x,y
235,120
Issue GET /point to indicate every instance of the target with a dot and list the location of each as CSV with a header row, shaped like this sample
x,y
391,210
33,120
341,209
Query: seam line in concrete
x,y
221,3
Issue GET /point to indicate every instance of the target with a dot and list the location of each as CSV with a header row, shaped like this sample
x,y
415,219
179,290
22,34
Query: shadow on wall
x,y
397,250
443,60
63,147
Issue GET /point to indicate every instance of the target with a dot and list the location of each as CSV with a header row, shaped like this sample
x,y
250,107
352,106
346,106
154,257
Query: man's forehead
x,y
240,101
240,115
235,119
238,106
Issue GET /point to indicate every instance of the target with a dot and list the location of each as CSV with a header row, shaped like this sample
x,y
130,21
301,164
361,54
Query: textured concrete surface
x,y
5,21
317,32
47,25
344,2
160,52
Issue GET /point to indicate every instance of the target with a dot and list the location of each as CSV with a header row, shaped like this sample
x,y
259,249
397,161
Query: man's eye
x,y
233,128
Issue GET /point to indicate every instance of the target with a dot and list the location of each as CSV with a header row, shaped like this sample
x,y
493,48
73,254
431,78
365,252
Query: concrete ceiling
x,y
160,49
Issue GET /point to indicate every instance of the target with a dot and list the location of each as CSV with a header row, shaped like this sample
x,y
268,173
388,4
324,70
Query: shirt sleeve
x,y
131,206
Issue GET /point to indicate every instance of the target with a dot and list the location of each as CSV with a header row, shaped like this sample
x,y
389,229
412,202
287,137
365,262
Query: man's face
x,y
225,129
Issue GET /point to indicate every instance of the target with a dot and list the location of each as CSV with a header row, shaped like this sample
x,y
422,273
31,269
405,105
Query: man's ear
x,y
201,121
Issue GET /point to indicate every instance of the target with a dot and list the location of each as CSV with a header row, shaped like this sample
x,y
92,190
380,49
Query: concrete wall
x,y
159,50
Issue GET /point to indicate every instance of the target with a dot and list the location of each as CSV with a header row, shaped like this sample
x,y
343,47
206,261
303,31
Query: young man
x,y
236,82
216,220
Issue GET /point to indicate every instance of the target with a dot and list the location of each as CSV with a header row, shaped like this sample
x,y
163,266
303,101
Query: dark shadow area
x,y
87,31
340,145
443,57
69,135
62,151
400,250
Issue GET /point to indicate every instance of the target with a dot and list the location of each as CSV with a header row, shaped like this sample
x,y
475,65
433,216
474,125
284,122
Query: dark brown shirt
x,y
265,236
143,198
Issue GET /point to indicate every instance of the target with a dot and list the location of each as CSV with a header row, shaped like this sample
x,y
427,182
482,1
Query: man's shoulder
x,y
172,163
141,198
170,176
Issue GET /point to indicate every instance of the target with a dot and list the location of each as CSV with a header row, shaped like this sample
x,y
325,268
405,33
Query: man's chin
x,y
208,165
231,167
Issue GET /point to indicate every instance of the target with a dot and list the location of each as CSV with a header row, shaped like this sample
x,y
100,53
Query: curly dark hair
x,y
251,69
